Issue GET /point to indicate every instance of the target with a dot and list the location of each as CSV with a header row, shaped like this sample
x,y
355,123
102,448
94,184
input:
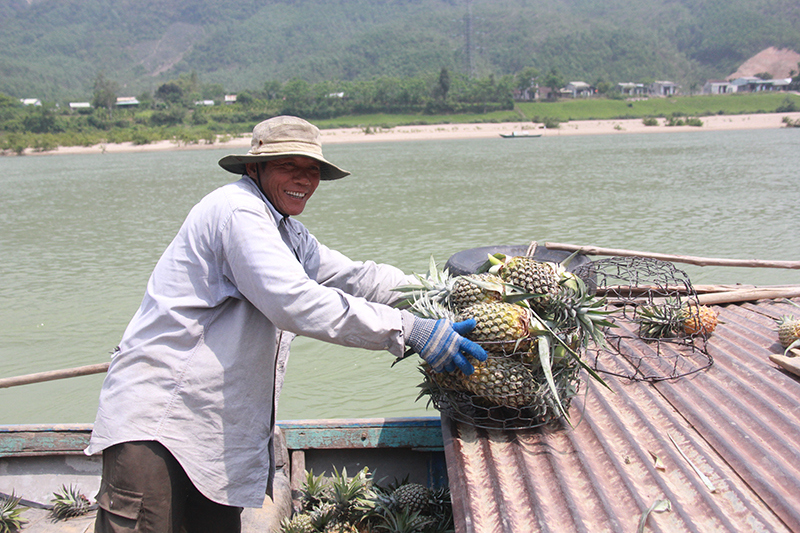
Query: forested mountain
x,y
55,49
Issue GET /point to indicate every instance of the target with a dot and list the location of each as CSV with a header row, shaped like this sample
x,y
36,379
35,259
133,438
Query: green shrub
x,y
650,121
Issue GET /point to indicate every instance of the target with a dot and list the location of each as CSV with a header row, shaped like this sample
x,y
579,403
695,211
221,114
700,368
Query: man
x,y
186,412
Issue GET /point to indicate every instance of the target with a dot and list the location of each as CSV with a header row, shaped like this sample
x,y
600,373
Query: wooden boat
x,y
37,460
519,135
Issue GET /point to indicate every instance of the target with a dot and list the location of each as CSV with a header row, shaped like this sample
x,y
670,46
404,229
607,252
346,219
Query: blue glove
x,y
440,343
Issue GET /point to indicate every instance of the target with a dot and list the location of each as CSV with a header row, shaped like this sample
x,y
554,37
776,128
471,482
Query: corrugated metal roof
x,y
737,423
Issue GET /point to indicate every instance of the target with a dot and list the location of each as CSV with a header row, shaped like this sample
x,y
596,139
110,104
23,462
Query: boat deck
x,y
721,445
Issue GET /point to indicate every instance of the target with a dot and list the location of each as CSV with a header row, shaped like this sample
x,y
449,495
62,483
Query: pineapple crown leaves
x,y
10,510
436,283
403,521
552,335
314,490
346,492
69,502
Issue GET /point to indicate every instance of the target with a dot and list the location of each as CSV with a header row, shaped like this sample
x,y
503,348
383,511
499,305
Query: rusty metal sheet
x,y
727,439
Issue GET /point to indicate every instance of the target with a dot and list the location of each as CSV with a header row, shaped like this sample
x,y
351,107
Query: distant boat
x,y
515,134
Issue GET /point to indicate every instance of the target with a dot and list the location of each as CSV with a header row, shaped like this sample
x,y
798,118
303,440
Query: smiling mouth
x,y
298,195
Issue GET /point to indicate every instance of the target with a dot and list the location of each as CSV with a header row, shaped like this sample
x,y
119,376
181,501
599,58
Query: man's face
x,y
288,182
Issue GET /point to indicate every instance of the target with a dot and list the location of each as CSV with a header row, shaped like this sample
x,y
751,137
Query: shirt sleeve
x,y
268,274
373,281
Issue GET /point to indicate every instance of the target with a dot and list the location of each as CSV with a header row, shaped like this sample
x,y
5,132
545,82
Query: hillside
x,y
54,49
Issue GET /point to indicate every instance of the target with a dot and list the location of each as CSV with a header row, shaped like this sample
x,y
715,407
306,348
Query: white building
x,y
717,87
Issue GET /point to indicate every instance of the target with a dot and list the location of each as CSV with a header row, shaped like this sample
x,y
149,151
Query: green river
x,y
79,235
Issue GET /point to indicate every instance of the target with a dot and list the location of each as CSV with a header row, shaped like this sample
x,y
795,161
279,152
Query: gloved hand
x,y
441,344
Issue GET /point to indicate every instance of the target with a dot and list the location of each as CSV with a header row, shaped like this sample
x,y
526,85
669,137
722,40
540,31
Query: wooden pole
x,y
700,261
53,375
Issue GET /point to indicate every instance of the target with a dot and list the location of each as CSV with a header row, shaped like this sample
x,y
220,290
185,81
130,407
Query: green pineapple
x,y
412,496
469,290
502,381
347,494
500,327
313,491
10,511
530,276
69,502
403,521
299,523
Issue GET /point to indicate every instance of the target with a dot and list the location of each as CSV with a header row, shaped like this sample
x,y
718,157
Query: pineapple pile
x,y
358,505
532,318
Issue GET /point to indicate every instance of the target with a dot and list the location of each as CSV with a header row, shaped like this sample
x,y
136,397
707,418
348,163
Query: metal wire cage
x,y
531,404
653,301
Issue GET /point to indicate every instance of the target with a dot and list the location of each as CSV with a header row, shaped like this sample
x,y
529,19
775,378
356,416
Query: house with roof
x,y
230,99
127,101
748,84
632,89
579,89
717,87
75,106
30,101
663,88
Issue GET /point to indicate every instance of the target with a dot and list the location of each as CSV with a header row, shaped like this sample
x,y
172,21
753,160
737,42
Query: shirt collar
x,y
286,225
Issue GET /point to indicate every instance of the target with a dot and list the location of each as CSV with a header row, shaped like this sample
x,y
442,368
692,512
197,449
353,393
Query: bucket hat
x,y
283,136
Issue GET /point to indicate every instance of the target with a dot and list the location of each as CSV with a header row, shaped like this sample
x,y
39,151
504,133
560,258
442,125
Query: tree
x,y
526,79
170,92
554,81
444,83
105,93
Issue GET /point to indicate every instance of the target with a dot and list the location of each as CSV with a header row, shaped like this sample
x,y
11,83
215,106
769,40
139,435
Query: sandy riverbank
x,y
461,131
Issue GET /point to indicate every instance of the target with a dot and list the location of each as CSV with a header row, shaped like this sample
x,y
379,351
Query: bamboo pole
x,y
692,260
53,375
747,295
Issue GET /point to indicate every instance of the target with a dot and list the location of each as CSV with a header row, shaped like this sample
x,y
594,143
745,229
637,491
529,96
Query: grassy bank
x,y
683,106
593,109
208,125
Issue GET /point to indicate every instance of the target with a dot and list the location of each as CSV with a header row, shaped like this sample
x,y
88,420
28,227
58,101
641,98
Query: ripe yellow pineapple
x,y
697,319
660,321
500,327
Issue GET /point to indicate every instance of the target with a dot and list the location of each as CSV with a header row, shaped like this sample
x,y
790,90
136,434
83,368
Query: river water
x,y
79,236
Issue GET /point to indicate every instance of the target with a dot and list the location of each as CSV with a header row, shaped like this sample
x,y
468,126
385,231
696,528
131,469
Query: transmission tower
x,y
470,67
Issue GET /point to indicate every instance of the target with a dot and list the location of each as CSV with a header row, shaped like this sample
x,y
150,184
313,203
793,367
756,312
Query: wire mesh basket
x,y
518,397
659,333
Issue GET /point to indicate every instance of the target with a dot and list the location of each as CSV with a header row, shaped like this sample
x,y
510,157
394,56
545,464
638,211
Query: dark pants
x,y
145,490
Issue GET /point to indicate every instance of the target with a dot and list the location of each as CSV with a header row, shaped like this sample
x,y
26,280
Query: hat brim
x,y
236,163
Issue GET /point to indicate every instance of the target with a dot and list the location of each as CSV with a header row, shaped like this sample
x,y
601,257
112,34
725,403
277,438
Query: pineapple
x,y
788,328
412,496
299,523
500,327
531,276
69,502
502,381
466,291
662,321
697,319
10,511
445,380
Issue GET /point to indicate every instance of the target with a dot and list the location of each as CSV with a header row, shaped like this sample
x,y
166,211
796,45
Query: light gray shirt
x,y
195,369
